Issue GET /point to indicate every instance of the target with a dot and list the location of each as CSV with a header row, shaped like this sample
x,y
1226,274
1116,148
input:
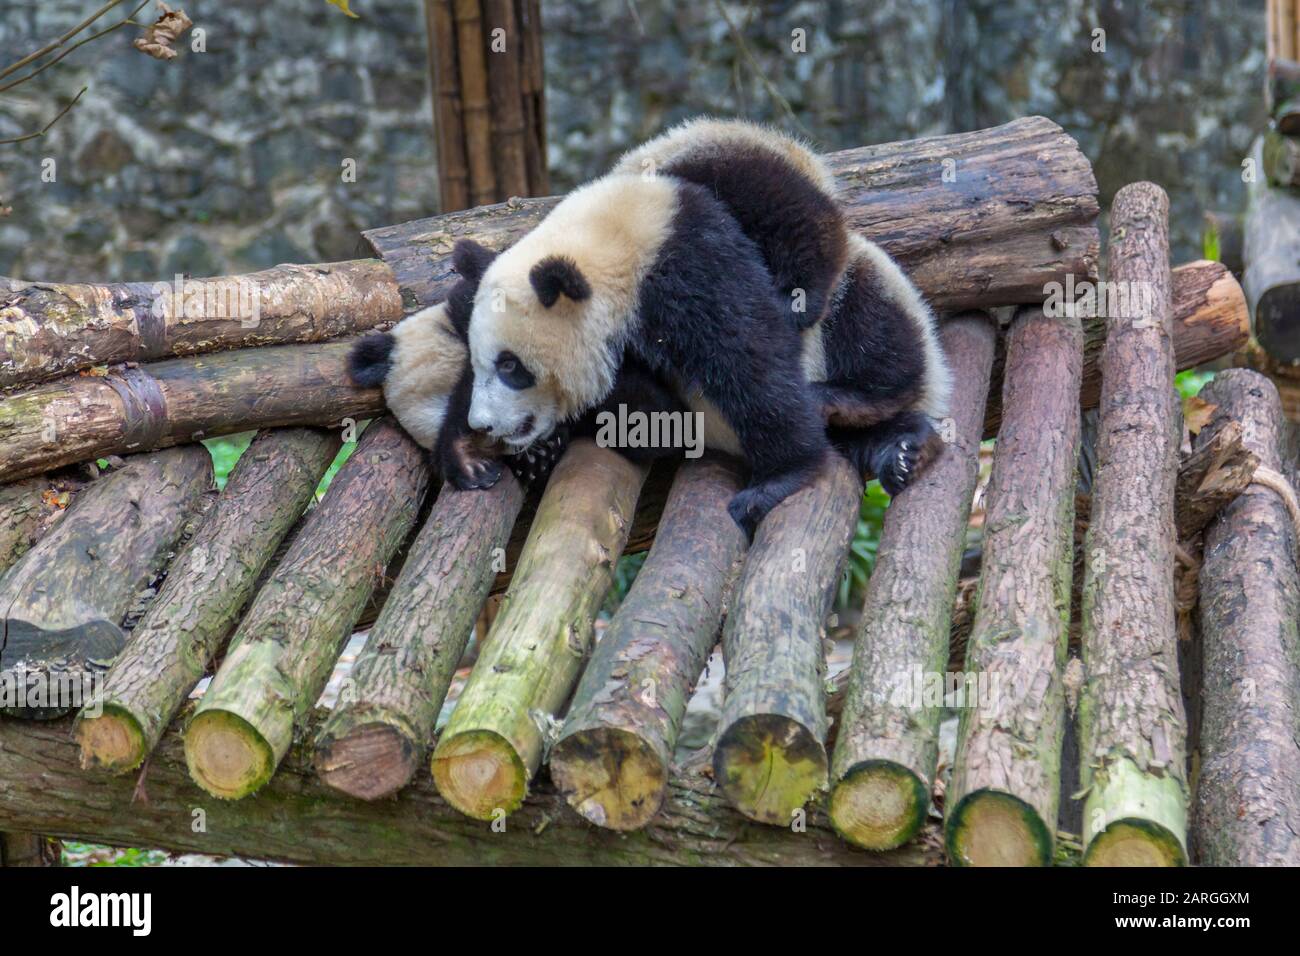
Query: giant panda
x,y
688,260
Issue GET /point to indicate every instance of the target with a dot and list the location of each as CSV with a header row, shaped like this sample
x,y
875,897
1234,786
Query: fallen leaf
x,y
55,499
343,5
162,33
1197,413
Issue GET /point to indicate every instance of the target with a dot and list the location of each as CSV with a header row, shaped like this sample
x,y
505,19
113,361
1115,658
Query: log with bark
x,y
28,509
1220,467
380,732
207,586
612,759
770,758
281,655
28,849
49,329
449,130
296,818
493,743
65,600
888,742
1272,278
1131,722
978,219
1247,810
1002,802
137,408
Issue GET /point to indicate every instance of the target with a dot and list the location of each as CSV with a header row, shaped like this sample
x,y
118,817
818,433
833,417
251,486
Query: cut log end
x,y
610,776
769,766
370,761
1135,842
111,741
879,805
993,828
226,755
479,774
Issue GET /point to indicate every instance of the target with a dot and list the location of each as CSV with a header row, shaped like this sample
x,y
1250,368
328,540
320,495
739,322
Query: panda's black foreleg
x,y
896,451
461,454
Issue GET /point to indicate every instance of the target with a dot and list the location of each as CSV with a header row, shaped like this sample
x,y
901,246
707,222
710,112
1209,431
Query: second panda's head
x,y
551,313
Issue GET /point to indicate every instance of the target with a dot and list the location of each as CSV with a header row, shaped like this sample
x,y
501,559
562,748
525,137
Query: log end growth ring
x,y
769,766
226,755
371,761
994,828
1135,842
879,805
112,741
479,773
610,776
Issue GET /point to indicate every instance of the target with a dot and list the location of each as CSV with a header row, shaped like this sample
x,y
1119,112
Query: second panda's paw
x,y
898,462
469,469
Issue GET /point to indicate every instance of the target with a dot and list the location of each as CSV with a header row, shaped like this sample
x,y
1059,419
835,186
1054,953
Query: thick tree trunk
x,y
613,756
1272,279
1132,726
977,219
50,329
1248,792
296,818
138,408
28,509
1219,468
281,656
1002,802
380,732
771,756
493,743
888,742
65,600
207,586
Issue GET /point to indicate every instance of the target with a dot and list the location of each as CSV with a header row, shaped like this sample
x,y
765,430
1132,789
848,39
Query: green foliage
x,y
1189,383
866,542
92,854
225,452
1210,244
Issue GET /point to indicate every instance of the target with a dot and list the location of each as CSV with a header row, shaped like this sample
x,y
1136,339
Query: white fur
x,y
427,359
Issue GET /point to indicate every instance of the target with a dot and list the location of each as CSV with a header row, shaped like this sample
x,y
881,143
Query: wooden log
x,y
613,756
28,509
1131,722
29,850
1247,810
1002,802
449,130
1219,468
198,606
139,408
380,732
770,758
533,86
1283,95
476,107
281,655
888,743
1272,278
493,743
1281,159
1211,320
505,93
50,329
1016,213
296,818
66,599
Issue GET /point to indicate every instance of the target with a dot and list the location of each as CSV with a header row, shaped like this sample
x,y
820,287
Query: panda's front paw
x,y
898,466
468,469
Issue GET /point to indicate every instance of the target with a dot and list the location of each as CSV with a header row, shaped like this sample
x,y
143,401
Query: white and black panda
x,y
689,263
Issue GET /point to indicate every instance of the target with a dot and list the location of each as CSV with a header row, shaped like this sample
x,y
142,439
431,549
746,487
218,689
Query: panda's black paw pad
x,y
475,474
899,465
748,507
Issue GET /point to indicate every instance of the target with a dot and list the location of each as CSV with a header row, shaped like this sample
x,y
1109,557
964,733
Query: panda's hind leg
x,y
895,451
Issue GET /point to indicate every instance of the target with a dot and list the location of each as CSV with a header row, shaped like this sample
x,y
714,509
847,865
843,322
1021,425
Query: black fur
x,y
471,260
370,359
797,227
710,323
556,275
638,391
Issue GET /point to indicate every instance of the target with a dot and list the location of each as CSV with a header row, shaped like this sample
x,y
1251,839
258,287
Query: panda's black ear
x,y
371,358
471,259
555,275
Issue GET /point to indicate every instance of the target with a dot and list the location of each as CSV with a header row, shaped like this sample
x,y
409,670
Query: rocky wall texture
x,y
233,159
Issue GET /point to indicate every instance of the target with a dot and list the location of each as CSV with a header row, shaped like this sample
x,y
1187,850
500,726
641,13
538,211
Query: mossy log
x,y
888,741
282,653
66,599
612,759
138,408
494,741
1272,277
977,219
1002,802
770,758
296,818
49,329
379,733
1132,727
1247,809
28,509
209,583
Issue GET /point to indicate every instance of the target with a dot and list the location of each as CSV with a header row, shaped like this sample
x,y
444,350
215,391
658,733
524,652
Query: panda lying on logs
x,y
712,269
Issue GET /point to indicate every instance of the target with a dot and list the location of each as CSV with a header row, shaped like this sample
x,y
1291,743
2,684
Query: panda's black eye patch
x,y
513,373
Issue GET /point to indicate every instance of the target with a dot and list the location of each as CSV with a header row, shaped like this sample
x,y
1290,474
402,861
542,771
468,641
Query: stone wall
x,y
232,159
